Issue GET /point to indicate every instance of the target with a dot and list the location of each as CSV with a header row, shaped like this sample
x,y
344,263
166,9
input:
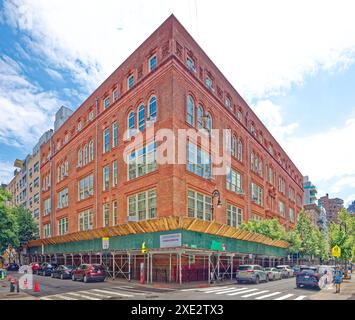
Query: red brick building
x,y
171,82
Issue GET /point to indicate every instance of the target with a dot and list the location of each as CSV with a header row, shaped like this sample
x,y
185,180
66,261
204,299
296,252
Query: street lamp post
x,y
216,193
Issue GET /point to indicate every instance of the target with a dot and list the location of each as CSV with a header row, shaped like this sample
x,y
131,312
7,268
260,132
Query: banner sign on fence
x,y
105,243
170,240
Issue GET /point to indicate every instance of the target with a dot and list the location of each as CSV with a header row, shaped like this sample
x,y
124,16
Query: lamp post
x,y
216,193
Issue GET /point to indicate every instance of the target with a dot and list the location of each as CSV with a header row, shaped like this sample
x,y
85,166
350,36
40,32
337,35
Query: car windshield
x,y
97,267
268,269
309,270
280,267
245,268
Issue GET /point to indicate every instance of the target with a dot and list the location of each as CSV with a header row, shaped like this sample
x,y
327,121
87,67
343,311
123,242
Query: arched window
x,y
91,151
234,146
152,109
85,154
228,140
80,157
208,123
199,117
252,160
190,118
130,124
141,118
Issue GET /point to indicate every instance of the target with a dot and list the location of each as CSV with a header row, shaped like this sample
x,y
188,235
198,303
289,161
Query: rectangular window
x,y
130,82
114,213
199,206
114,135
234,181
142,161
234,216
106,102
85,160
91,151
142,206
291,214
115,95
63,225
36,213
228,103
152,63
106,139
36,183
114,173
36,167
106,178
106,214
63,200
199,161
209,83
191,64
47,230
80,158
86,219
36,198
282,208
86,187
257,194
47,207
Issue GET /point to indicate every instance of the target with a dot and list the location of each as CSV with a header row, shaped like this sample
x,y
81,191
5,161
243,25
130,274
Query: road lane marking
x,y
241,292
300,298
64,297
268,295
254,294
231,290
111,292
285,297
82,296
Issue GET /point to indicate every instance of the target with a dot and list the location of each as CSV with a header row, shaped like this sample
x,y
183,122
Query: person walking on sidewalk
x,y
338,275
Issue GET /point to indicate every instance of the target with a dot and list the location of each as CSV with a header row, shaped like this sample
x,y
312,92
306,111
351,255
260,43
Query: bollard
x,y
18,287
12,286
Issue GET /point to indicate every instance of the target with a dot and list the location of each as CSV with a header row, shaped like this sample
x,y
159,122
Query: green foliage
x,y
270,228
27,226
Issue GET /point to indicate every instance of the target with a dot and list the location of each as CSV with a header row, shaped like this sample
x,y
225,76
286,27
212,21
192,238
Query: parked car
x,y
46,269
34,266
286,271
89,272
63,272
251,273
308,278
273,273
13,267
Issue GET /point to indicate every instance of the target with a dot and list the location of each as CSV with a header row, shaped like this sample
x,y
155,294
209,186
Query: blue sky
x,y
294,67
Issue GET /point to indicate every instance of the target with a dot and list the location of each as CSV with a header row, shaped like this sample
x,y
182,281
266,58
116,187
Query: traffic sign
x,y
105,243
336,251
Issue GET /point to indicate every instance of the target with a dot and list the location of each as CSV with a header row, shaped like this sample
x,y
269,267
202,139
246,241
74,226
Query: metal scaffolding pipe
x,y
113,266
129,266
170,268
180,269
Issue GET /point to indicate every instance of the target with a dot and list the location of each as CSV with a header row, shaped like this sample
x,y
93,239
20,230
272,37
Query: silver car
x,y
251,273
273,273
286,271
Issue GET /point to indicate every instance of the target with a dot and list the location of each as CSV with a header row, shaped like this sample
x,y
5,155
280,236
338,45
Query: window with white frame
x,y
239,116
209,83
234,216
152,112
291,214
228,140
47,207
228,103
152,62
271,175
208,123
240,150
257,194
199,206
47,230
199,161
282,208
190,64
114,135
114,173
141,118
80,158
142,161
66,168
234,146
86,219
91,115
106,139
86,187
85,158
143,205
106,102
106,178
131,124
199,117
114,213
190,114
130,82
63,226
91,151
63,200
79,126
106,214
234,181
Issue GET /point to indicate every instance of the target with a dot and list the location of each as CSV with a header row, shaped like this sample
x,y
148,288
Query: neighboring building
x,y
171,82
313,212
61,116
13,188
310,191
351,208
332,207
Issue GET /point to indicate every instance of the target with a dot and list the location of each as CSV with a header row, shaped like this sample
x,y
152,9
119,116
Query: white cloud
x,y
54,74
6,171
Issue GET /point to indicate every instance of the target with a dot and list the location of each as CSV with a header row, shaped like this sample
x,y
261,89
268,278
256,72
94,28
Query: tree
x,y
270,228
8,223
26,224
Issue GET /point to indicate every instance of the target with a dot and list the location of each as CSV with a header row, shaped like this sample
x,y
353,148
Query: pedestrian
x,y
338,275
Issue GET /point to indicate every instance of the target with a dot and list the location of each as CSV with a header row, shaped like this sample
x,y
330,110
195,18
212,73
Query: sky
x,y
292,61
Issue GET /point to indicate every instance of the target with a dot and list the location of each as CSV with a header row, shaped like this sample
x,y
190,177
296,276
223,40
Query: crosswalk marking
x,y
94,294
111,292
85,296
300,298
241,292
268,295
135,291
64,297
254,294
210,289
231,290
218,290
285,296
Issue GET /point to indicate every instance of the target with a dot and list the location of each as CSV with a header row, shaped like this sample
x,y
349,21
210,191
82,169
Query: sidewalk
x,y
6,295
347,291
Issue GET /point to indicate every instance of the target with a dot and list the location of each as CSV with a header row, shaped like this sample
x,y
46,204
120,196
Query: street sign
x,y
336,251
105,243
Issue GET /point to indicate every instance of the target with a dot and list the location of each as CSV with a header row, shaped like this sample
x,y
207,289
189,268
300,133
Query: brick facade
x,y
171,83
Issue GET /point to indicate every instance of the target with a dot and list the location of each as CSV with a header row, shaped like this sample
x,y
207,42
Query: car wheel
x,y
73,278
61,277
85,279
257,280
